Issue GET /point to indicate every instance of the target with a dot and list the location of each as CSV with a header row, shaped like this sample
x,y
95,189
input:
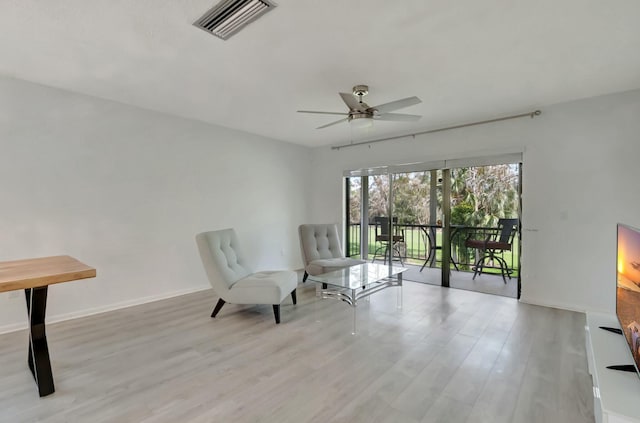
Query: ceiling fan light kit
x,y
362,115
360,122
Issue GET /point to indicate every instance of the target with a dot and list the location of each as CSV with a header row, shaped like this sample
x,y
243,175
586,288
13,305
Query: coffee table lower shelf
x,y
358,282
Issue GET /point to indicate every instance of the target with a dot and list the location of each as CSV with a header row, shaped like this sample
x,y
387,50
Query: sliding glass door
x,y
369,218
397,218
353,216
485,205
421,216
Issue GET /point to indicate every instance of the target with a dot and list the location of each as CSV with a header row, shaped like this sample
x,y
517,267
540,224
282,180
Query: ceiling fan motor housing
x,y
364,112
360,115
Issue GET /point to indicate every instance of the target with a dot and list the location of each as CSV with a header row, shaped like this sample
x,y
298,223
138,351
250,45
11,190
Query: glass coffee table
x,y
354,283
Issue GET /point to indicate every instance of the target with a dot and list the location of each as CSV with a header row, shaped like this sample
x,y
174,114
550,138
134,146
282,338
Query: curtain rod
x,y
431,131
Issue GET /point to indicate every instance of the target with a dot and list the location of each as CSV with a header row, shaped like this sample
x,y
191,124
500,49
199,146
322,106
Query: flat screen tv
x,y
628,288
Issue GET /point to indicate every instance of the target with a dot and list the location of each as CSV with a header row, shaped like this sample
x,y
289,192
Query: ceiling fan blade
x,y
398,104
333,123
398,117
323,113
353,102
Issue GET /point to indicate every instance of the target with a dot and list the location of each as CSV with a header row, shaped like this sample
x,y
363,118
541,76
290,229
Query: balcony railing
x,y
415,248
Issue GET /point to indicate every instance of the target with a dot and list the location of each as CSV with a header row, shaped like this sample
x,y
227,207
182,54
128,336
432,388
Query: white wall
x,y
125,190
581,175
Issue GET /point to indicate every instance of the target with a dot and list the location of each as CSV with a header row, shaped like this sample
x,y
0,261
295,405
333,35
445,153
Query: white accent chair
x,y
233,280
321,250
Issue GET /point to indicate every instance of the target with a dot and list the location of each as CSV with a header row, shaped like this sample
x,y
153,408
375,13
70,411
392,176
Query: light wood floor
x,y
447,356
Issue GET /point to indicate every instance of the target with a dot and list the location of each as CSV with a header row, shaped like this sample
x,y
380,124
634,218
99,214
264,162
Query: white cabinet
x,y
616,394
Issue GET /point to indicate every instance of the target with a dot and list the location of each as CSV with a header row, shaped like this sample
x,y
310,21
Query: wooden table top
x,y
33,273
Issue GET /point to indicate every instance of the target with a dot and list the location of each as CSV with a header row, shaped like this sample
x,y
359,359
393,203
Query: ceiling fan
x,y
358,109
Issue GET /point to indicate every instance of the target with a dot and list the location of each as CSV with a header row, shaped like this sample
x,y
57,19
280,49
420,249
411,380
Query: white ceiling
x,y
467,59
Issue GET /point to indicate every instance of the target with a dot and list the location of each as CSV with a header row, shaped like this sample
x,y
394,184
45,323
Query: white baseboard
x,y
103,309
561,306
13,327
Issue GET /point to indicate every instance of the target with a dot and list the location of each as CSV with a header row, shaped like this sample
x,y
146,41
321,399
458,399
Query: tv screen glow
x,y
628,287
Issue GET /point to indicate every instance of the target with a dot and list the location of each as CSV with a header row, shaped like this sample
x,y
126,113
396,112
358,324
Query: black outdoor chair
x,y
384,241
491,244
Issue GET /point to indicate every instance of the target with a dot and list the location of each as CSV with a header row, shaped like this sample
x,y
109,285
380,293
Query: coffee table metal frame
x,y
355,283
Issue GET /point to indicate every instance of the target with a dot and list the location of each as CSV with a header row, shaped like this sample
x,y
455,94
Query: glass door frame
x,y
445,167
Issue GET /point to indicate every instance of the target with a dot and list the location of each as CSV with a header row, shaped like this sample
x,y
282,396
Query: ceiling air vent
x,y
230,16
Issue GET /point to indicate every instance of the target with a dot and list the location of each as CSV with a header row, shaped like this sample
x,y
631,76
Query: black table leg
x,y
38,359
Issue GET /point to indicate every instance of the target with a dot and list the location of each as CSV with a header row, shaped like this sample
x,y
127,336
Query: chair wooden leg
x,y
293,297
276,312
217,307
304,278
